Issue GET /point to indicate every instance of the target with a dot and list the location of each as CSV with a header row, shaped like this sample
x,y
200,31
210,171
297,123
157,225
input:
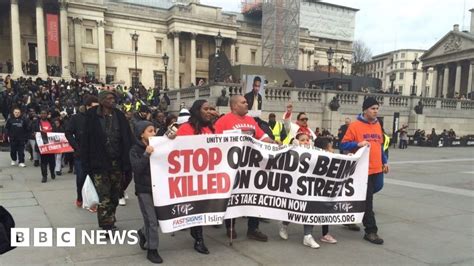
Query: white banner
x,y
200,180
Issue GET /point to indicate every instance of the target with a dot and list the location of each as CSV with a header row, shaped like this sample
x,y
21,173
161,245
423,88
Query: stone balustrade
x,y
437,112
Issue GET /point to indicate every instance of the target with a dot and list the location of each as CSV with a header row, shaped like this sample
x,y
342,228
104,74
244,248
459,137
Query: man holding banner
x,y
366,131
238,120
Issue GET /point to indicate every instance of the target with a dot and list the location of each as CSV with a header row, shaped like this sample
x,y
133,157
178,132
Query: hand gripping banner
x,y
201,180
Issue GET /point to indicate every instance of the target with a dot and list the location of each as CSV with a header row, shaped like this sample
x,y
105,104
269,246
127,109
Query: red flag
x,y
52,27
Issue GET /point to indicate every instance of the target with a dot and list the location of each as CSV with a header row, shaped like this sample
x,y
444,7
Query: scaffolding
x,y
280,33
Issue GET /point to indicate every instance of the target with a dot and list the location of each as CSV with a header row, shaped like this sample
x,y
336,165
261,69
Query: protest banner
x,y
52,143
200,180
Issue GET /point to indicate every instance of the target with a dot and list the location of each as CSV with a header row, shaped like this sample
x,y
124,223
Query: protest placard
x,y
52,143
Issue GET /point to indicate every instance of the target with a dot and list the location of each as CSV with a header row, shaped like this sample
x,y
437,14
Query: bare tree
x,y
361,55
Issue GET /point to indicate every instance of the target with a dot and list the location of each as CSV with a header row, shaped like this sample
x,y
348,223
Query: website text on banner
x,y
52,143
200,180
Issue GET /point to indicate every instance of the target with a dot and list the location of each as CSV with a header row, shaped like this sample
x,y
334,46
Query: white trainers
x,y
122,202
309,241
13,163
21,165
125,195
283,231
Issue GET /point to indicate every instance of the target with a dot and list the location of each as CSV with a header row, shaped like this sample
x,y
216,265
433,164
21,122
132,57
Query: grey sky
x,y
386,25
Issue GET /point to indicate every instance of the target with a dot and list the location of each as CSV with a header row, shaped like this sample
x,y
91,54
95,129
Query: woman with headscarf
x,y
200,122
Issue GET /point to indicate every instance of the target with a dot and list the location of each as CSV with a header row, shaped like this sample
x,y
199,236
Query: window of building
x,y
158,47
158,77
396,56
199,51
427,76
402,65
108,41
402,55
253,57
401,76
396,65
382,63
236,54
135,77
110,75
381,74
89,36
400,88
90,71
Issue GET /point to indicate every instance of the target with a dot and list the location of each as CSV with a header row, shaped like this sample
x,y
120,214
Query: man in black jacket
x,y
17,130
74,134
105,154
254,95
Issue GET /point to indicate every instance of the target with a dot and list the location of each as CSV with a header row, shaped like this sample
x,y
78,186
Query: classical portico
x,y
452,60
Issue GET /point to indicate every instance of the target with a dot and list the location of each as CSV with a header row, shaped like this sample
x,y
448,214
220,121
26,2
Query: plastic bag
x,y
90,199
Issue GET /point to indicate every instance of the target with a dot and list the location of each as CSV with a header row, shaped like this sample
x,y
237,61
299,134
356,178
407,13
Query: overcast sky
x,y
386,25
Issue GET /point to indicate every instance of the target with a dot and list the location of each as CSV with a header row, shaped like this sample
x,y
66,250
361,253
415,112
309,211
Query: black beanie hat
x,y
368,102
140,127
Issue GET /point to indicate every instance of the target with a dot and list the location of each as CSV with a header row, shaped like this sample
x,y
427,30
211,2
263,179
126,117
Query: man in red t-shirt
x,y
238,119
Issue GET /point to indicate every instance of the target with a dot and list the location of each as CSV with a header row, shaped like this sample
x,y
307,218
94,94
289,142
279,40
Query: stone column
x,y
423,82
40,36
305,60
65,69
232,51
311,60
101,43
16,39
176,60
470,79
457,82
445,81
78,45
193,58
434,85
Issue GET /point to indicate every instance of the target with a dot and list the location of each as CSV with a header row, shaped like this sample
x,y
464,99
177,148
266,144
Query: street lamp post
x,y
135,40
415,67
342,66
166,58
218,39
393,76
330,54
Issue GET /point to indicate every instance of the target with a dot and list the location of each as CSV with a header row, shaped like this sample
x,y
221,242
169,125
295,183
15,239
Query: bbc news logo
x,y
66,237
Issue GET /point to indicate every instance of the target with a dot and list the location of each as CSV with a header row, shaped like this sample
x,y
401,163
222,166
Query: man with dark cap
x,y
366,131
105,154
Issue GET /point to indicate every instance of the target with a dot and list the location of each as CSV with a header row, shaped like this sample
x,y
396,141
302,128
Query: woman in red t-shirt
x,y
200,122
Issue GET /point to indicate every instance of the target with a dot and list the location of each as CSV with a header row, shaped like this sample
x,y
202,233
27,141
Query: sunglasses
x,y
303,119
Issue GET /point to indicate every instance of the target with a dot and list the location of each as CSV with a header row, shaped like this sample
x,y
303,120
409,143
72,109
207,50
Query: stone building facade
x,y
95,39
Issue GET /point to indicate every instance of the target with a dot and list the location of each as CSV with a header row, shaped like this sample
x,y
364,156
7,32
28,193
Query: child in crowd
x,y
303,139
140,161
325,144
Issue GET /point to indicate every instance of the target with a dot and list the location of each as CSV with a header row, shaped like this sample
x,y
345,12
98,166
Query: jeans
x,y
369,217
17,147
80,178
378,182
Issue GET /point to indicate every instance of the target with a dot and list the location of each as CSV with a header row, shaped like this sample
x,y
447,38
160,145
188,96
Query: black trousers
x,y
47,160
252,223
17,150
369,217
127,177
